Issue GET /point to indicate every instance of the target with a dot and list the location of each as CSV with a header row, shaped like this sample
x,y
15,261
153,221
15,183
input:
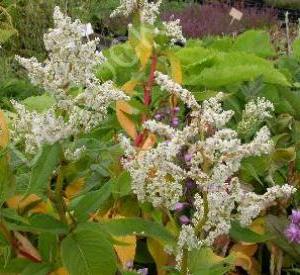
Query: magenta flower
x,y
188,157
180,206
184,219
293,233
295,217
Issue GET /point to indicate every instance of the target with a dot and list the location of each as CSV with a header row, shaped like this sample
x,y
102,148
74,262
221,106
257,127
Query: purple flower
x,y
175,122
176,109
184,219
158,116
295,217
293,233
180,206
190,185
188,157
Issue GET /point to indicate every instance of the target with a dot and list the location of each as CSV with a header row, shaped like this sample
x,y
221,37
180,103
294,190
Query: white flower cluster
x,y
174,31
35,129
74,155
70,61
158,174
148,10
256,111
70,64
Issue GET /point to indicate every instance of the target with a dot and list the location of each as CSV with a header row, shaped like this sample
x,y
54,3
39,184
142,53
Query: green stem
x,y
59,200
200,225
184,264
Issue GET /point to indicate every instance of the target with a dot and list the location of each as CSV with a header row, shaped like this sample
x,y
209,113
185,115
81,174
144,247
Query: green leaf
x,y
138,226
7,181
204,262
242,234
296,48
37,269
40,223
87,251
255,41
43,169
91,202
39,103
122,185
47,245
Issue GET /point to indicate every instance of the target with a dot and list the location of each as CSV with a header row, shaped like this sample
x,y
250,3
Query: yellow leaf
x,y
122,109
149,142
243,255
4,132
258,226
176,70
160,257
17,202
248,250
60,271
144,48
126,253
129,86
74,188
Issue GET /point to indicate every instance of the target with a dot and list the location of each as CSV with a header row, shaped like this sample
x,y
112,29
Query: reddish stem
x,y
149,85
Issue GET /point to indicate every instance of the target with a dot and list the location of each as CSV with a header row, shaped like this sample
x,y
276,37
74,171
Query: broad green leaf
x,y
37,269
87,251
47,245
203,261
122,185
43,169
91,202
137,226
39,223
242,234
39,103
255,41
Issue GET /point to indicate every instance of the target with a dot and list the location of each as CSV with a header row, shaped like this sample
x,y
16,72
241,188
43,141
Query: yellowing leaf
x,y
60,271
17,202
4,132
176,70
160,257
243,255
149,142
122,109
126,253
258,226
248,250
144,48
74,188
129,86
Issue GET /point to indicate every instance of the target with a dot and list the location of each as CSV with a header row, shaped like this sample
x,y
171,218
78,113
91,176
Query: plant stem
x,y
59,201
184,264
149,85
200,225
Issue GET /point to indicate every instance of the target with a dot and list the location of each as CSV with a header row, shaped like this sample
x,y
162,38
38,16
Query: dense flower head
x,y
70,64
70,60
148,10
213,156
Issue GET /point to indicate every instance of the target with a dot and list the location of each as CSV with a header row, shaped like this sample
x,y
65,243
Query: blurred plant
x,y
204,20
